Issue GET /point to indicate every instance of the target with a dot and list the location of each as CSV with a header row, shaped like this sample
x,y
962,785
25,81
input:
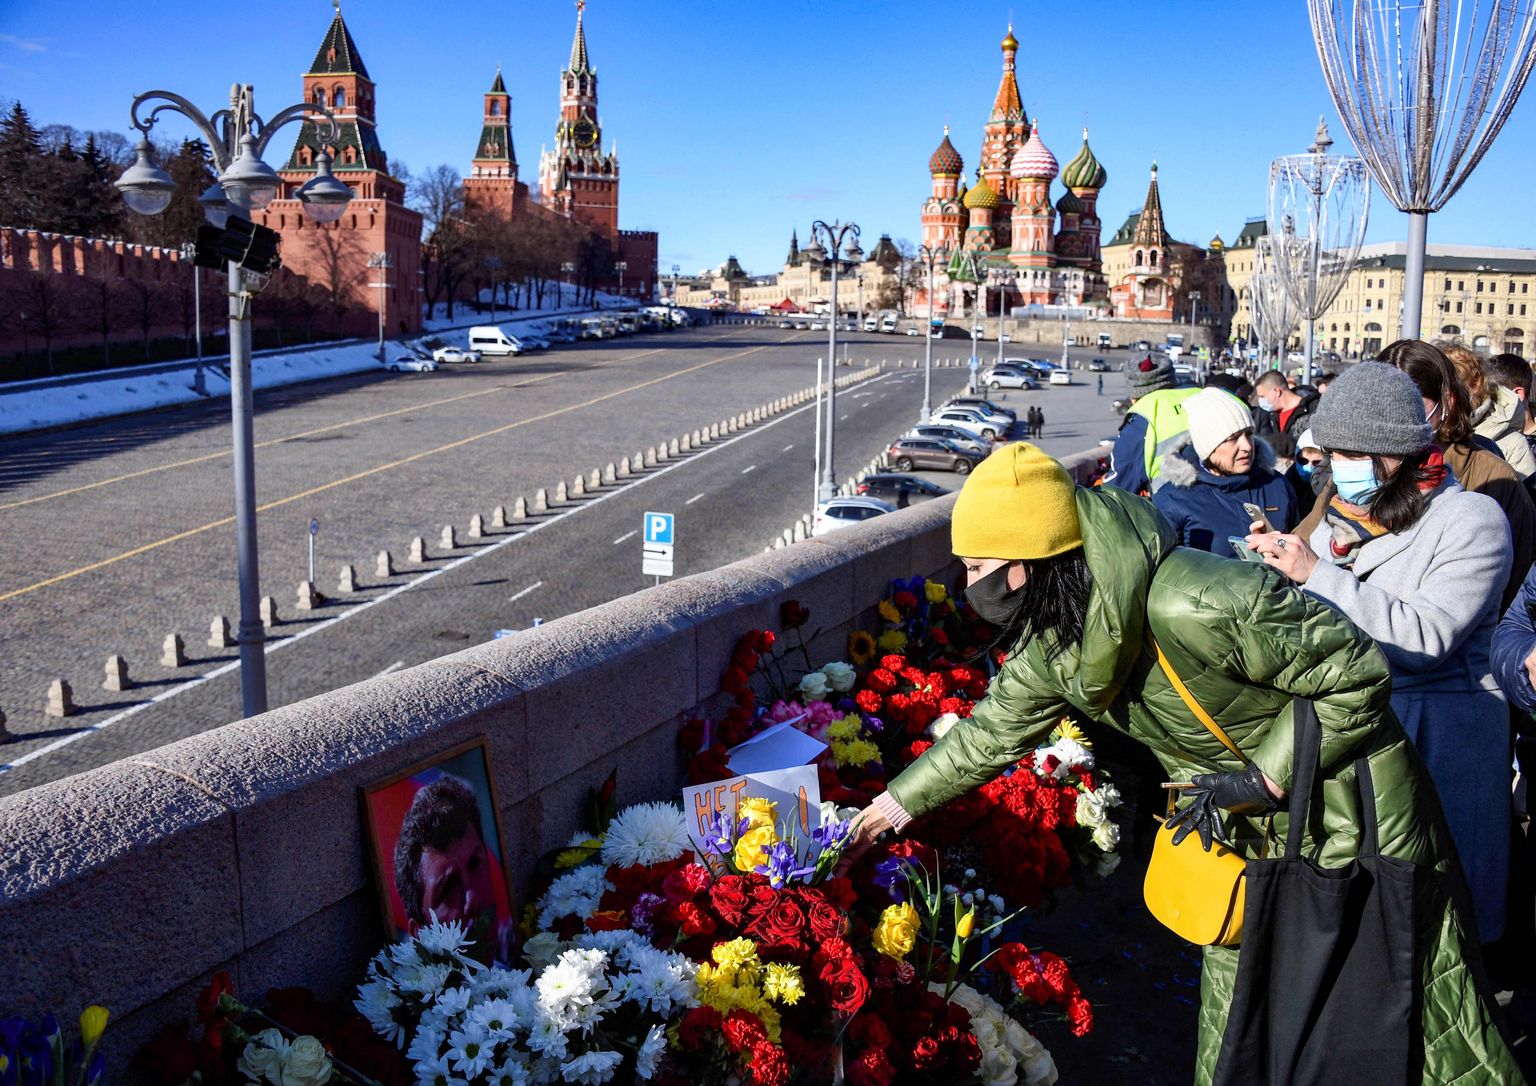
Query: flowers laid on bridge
x,y
37,1054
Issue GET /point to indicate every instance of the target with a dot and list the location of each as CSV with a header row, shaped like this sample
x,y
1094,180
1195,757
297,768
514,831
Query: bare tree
x,y
45,308
145,300
446,246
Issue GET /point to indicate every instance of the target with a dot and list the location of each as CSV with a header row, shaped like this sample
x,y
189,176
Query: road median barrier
x,y
579,487
269,615
117,674
346,582
61,699
385,566
499,517
309,596
173,652
218,630
449,539
476,526
610,474
562,494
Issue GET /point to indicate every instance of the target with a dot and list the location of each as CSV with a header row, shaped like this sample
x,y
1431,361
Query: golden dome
x,y
1010,43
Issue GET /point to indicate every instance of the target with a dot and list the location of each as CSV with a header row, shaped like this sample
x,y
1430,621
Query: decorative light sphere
x,y
323,197
146,188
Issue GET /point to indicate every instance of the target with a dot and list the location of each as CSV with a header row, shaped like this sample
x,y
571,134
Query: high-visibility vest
x,y
1166,423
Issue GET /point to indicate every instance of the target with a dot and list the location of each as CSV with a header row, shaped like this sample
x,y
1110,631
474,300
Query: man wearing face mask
x,y
1087,585
1287,412
1309,474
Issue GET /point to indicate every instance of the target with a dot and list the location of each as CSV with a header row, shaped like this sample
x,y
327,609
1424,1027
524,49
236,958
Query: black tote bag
x,y
1327,983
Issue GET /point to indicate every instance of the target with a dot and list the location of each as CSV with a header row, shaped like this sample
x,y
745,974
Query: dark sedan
x,y
922,452
900,490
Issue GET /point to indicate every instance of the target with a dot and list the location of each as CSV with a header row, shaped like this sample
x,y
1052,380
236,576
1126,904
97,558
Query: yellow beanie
x,y
1018,503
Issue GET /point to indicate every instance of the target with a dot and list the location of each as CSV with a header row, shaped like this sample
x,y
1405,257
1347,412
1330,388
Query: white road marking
x,y
396,666
842,418
481,552
625,536
523,592
693,499
791,445
747,469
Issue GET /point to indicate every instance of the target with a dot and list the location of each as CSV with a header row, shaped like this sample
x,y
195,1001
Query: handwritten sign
x,y
796,791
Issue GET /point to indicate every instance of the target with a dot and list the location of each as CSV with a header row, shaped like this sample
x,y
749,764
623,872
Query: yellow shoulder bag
x,y
1196,894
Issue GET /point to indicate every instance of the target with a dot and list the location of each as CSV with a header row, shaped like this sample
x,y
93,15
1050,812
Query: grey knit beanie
x,y
1151,376
1373,408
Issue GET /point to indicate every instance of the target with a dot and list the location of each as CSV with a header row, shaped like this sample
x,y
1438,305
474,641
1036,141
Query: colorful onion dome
x,y
1084,171
1033,160
981,196
1010,43
1069,205
946,160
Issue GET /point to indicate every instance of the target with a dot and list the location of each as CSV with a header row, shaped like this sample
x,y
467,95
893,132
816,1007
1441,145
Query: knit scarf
x,y
1353,527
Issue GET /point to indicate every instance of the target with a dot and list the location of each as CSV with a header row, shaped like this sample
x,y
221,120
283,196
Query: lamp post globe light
x,y
237,137
835,234
929,256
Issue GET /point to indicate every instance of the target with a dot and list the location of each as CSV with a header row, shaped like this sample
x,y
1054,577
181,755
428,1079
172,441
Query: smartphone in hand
x,y
1240,547
1257,516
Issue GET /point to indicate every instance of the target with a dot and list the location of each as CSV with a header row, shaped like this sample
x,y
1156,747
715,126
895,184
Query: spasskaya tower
x,y
577,178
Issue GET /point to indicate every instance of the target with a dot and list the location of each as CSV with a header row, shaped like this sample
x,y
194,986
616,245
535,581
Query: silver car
x,y
1009,377
965,439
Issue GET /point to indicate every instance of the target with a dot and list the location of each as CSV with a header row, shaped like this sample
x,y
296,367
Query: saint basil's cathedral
x,y
1002,235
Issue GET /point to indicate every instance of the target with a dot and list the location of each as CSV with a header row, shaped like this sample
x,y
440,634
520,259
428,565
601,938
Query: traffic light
x,y
242,242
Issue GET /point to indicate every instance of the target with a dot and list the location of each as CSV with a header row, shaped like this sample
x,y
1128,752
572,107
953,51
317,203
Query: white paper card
x,y
778,747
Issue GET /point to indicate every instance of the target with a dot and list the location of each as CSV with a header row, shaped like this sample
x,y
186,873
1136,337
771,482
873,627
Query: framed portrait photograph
x,y
435,842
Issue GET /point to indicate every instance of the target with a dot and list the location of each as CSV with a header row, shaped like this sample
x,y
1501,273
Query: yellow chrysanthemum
x,y
855,752
893,641
758,812
782,984
896,933
1068,730
847,727
735,953
861,648
888,611
935,592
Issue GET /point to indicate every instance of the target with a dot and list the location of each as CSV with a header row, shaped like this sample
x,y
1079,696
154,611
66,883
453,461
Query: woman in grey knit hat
x,y
1419,564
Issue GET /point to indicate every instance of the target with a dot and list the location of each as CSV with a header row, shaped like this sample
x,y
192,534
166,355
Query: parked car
x,y
967,419
989,406
1061,377
489,340
1098,365
944,432
409,363
1037,366
906,453
1005,376
900,490
454,354
841,512
534,341
911,331
1001,420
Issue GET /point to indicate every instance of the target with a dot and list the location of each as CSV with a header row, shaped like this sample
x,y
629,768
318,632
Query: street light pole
x,y
835,233
237,136
1194,301
381,264
188,252
929,255
621,267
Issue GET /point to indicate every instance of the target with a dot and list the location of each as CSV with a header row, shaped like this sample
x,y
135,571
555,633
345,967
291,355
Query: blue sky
x,y
736,123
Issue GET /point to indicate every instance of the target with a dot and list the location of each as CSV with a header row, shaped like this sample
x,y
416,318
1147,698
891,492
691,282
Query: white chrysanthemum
x,y
453,1001
498,1017
403,955
647,833
650,1053
444,937
470,1049
376,1001
591,1068
510,1073
547,1037
575,893
425,980
570,985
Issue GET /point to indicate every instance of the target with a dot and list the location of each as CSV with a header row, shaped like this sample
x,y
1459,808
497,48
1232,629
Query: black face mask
x,y
993,600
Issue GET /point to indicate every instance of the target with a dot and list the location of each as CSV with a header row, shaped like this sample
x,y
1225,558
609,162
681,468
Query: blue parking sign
x,y
658,528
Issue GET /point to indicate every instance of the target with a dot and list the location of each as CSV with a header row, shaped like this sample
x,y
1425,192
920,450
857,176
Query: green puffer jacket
x,y
1246,644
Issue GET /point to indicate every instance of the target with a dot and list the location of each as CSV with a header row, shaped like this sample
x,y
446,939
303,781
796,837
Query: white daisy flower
x,y
650,1053
591,1067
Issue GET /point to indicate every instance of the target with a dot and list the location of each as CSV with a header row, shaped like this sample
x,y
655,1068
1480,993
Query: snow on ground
x,y
37,405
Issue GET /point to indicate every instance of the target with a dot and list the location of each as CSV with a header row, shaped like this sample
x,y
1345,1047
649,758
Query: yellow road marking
x,y
190,461
372,471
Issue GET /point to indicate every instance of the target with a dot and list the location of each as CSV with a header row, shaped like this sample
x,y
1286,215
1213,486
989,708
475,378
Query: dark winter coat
x,y
1513,640
1267,423
1207,509
1246,643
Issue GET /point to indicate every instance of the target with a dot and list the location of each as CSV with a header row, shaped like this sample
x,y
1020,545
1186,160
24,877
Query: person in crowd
x,y
1419,564
1446,402
1039,422
1309,474
1081,584
1154,422
1099,385
1497,416
1217,468
1514,373
1288,410
1323,381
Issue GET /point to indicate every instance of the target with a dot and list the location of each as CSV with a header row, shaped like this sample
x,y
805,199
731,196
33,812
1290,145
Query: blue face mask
x,y
1355,481
1304,469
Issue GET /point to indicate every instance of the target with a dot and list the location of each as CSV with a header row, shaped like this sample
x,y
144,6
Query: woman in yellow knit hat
x,y
1086,585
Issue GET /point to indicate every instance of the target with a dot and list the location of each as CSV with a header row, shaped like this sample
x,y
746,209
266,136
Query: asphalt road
x,y
121,532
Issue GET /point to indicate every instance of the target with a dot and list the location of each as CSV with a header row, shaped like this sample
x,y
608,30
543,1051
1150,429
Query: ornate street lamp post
x,y
381,263
237,138
835,234
929,256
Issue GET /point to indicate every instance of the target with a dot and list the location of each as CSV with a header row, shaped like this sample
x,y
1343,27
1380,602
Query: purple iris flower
x,y
721,836
891,876
783,866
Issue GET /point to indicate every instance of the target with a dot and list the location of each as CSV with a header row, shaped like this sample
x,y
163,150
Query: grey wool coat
x,y
1430,598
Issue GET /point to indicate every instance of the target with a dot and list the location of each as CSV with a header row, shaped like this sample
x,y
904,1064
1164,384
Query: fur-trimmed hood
x,y
1181,468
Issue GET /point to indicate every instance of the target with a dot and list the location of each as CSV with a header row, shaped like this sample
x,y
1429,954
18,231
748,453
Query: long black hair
x,y
1053,602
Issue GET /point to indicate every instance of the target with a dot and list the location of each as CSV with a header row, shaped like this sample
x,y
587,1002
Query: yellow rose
x,y
758,812
935,592
752,847
896,933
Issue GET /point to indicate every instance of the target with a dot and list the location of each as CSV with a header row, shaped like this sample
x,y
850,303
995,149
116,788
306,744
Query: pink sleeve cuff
x,y
893,811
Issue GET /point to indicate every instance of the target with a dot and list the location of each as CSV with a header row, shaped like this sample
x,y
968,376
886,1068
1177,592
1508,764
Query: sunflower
x,y
861,648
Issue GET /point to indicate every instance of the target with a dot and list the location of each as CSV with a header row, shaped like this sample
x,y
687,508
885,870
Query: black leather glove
x,y
1240,791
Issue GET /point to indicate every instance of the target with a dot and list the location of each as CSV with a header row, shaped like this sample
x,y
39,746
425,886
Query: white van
x,y
888,323
490,340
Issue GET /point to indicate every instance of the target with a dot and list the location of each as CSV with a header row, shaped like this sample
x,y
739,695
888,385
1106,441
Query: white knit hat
x,y
1214,415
